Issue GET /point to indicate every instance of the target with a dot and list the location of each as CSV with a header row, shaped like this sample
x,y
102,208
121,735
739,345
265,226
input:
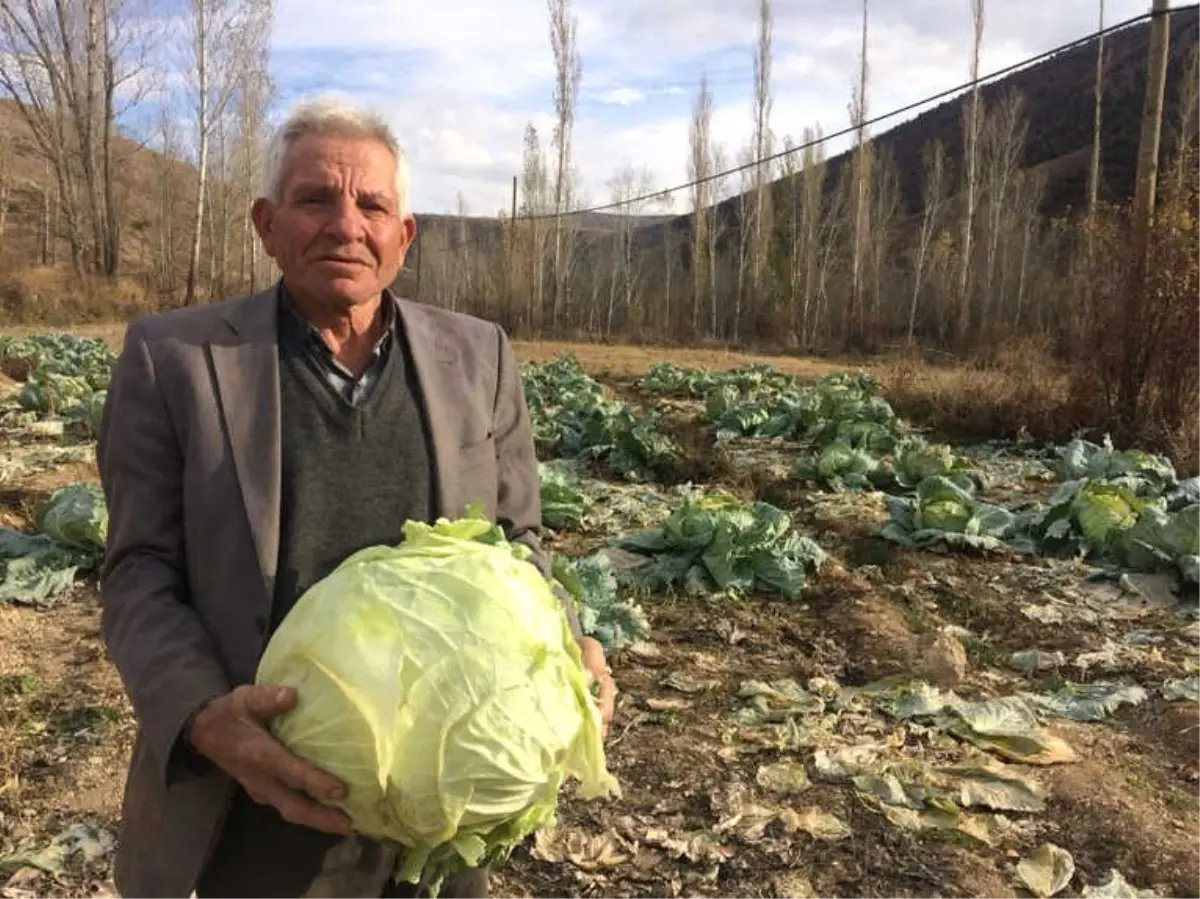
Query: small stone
x,y
941,659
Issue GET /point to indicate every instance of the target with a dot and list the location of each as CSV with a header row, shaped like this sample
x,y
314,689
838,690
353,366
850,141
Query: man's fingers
x,y
300,775
303,811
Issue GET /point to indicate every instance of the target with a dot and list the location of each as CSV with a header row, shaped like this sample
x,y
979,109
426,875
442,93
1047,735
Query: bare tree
x,y
971,133
700,171
885,206
1002,151
1097,98
934,196
534,205
251,102
1029,187
1184,124
5,182
716,229
568,71
626,188
761,147
860,186
220,34
811,221
64,62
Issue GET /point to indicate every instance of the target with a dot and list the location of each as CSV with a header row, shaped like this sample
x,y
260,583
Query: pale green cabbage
x,y
440,681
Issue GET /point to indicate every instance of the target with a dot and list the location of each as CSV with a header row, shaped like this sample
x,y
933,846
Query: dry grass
x,y
1023,391
44,297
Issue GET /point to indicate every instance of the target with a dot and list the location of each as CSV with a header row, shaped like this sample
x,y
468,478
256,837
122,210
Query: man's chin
x,y
345,292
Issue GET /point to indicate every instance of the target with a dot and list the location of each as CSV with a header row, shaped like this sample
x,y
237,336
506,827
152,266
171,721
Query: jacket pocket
x,y
477,478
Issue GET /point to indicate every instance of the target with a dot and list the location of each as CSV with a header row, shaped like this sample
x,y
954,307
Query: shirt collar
x,y
312,335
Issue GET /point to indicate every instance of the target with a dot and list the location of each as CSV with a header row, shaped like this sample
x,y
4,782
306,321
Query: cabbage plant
x,y
439,680
946,512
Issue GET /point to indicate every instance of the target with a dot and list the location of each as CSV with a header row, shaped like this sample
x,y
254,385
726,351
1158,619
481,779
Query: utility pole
x,y
512,239
1136,295
1147,164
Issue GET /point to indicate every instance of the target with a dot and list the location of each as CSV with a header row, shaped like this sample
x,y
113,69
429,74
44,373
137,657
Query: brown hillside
x,y
140,176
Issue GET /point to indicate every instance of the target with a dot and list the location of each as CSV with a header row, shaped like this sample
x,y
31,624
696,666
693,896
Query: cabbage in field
x,y
72,526
947,512
440,681
1088,517
717,543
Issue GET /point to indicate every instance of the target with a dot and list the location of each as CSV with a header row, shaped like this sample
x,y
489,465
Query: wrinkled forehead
x,y
361,164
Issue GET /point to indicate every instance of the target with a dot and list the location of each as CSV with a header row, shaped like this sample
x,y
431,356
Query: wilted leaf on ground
x,y
783,777
888,789
937,817
1115,886
776,701
667,703
685,683
847,761
693,846
588,852
793,885
817,823
1088,702
1009,727
86,840
1182,688
998,789
1047,870
1030,661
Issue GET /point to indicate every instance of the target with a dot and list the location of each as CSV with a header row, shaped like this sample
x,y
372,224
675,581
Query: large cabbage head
x,y
440,681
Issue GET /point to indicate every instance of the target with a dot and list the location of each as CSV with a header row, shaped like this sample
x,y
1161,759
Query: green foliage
x,y
944,511
572,417
592,583
72,526
714,543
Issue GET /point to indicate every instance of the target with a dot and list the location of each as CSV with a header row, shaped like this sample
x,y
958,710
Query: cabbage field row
x,y
854,659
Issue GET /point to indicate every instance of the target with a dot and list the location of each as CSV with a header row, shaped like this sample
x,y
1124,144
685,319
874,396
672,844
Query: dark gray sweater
x,y
351,474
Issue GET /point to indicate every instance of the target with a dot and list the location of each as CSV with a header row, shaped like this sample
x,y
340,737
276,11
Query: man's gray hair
x,y
330,115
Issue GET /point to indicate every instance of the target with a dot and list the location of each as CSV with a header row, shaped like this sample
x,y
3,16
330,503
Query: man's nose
x,y
346,221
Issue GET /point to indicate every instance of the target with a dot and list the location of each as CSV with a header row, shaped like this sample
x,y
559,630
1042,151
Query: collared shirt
x,y
305,336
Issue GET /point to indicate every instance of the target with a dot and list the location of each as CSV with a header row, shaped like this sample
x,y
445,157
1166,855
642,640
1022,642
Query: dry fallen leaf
x,y
588,852
1047,870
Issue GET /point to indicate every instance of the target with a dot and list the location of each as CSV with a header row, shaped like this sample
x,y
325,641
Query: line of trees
x,y
805,254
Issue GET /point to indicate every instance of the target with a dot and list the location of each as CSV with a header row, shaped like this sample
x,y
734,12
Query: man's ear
x,y
410,230
262,213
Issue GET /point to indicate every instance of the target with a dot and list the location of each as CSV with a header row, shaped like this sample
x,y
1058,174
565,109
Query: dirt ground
x,y
1128,801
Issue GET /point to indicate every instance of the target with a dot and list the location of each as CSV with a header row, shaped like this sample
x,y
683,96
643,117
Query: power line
x,y
1007,70
456,245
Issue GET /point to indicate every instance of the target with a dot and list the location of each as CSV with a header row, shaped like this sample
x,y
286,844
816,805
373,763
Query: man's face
x,y
337,234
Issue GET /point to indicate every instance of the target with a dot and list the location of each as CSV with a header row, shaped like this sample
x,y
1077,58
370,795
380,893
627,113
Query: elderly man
x,y
247,448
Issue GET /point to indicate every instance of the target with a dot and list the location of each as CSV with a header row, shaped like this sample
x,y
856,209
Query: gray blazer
x,y
189,458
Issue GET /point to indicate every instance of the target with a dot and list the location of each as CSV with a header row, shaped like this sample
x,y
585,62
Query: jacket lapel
x,y
432,355
246,365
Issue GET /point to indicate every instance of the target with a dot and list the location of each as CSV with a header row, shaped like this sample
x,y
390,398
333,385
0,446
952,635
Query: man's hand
x,y
231,730
597,666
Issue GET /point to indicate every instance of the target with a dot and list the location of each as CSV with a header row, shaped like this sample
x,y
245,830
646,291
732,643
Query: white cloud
x,y
463,77
622,96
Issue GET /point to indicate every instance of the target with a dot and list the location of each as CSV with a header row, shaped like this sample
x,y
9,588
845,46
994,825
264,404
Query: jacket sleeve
x,y
164,655
519,497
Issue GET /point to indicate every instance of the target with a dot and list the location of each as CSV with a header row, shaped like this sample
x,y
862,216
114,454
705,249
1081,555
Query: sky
x,y
460,79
